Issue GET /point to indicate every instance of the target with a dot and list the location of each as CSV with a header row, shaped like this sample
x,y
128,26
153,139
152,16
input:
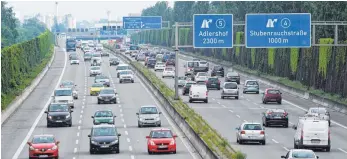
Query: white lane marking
x,y
125,126
119,106
83,102
224,106
255,103
79,127
79,121
275,141
122,120
213,99
73,157
81,116
286,148
84,99
238,116
81,111
132,157
332,121
231,111
248,99
78,133
218,102
342,150
291,123
120,110
82,106
261,106
245,121
128,139
75,150
27,137
130,148
121,114
76,142
126,132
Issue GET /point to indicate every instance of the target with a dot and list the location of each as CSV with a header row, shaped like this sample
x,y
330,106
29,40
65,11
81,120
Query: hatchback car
x,y
103,116
94,70
201,76
250,132
107,96
96,88
170,62
300,153
114,61
182,80
59,114
105,80
151,63
186,87
74,60
122,67
159,66
126,76
232,77
43,146
104,138
161,140
148,115
230,89
251,86
213,82
87,57
275,117
72,85
217,71
168,72
272,95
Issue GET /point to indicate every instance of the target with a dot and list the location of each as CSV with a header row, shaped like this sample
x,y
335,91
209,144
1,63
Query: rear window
x,y
168,69
302,154
203,62
217,67
230,86
318,111
213,79
202,74
252,127
193,64
232,74
252,83
271,91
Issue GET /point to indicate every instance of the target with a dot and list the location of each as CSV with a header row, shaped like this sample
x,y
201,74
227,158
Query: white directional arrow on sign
x,y
142,25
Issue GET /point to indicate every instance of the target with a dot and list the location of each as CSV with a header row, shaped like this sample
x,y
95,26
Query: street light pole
x,y
176,61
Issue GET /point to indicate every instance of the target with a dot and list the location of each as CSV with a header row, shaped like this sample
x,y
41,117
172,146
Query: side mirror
x,y
137,114
92,116
114,116
29,143
46,111
71,107
280,92
295,127
89,136
174,136
71,111
317,157
119,134
57,143
283,156
147,137
237,129
159,112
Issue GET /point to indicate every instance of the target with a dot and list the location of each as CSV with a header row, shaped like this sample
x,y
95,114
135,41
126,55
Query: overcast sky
x,y
88,10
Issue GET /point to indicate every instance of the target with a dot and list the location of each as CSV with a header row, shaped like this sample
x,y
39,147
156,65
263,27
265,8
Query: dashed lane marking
x,y
224,106
286,148
130,148
75,150
238,116
79,127
78,134
231,111
342,150
132,157
80,121
76,142
126,132
128,139
125,126
275,141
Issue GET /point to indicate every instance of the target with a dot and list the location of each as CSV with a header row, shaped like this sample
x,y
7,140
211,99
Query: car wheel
x,y
240,142
70,124
139,125
257,92
173,76
159,125
263,142
120,81
48,125
174,152
279,102
266,124
218,88
329,123
222,97
99,102
237,97
237,140
162,76
149,152
190,101
295,146
91,151
244,92
132,81
238,82
206,100
117,150
327,149
264,102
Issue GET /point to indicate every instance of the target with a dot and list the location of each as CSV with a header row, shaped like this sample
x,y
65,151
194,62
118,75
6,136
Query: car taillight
x,y
262,132
206,82
218,81
243,132
285,114
190,92
329,134
206,93
302,134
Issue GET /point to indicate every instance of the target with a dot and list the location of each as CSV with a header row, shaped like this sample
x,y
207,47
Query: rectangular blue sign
x,y
144,22
282,30
213,30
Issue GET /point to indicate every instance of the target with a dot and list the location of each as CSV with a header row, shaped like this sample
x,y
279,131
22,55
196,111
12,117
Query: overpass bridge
x,y
92,36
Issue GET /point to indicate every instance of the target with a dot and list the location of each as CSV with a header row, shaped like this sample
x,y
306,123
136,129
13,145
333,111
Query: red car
x,y
43,146
272,95
161,140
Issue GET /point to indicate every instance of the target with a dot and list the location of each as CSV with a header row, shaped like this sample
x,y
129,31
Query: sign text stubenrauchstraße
x,y
278,33
213,33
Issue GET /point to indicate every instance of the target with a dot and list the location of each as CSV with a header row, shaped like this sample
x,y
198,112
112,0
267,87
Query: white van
x,y
198,93
312,133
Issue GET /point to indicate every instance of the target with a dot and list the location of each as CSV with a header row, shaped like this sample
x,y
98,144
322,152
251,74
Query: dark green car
x,y
213,82
187,86
103,117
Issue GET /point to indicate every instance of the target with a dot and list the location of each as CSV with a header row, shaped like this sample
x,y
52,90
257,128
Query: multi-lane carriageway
x,y
226,114
30,120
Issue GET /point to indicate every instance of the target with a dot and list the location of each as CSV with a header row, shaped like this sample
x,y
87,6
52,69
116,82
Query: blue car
x,y
251,86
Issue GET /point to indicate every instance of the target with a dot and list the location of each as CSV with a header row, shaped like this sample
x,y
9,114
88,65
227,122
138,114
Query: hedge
x,y
21,63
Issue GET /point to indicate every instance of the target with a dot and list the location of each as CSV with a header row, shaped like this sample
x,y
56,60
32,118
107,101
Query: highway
x,y
30,120
226,114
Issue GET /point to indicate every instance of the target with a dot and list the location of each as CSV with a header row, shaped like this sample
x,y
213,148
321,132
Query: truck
x,y
70,44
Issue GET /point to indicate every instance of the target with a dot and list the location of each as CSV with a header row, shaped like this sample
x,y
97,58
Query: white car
x,y
99,47
126,76
86,49
300,153
122,67
159,66
198,93
95,61
168,72
201,76
64,95
74,60
94,70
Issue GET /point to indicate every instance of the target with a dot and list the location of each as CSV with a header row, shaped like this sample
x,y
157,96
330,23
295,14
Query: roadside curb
x,y
13,106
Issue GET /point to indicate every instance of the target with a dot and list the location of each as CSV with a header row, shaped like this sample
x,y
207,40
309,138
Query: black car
x,y
170,62
232,77
217,70
114,61
151,63
107,96
275,117
104,138
213,82
186,87
59,114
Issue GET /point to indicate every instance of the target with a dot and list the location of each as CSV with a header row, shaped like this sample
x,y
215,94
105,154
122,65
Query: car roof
x,y
161,129
320,108
302,150
48,135
271,89
277,109
230,82
123,65
251,81
107,89
245,123
103,111
63,89
144,106
104,125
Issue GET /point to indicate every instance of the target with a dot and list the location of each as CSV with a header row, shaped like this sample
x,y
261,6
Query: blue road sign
x,y
213,30
144,22
282,30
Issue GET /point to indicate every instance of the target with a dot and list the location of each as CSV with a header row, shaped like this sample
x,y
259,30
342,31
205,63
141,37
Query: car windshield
x,y
96,55
101,77
67,92
318,111
103,114
302,154
168,69
123,68
161,134
231,74
107,91
230,86
95,68
73,57
87,55
203,62
125,72
272,91
193,64
213,79
182,78
202,74
67,83
58,108
104,131
97,85
43,139
252,127
99,45
113,59
159,63
252,83
148,110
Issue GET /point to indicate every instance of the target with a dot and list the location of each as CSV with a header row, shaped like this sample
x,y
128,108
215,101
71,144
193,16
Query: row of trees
x,y
318,67
12,31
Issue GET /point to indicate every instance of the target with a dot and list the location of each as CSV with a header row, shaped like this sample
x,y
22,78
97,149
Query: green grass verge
x,y
282,80
6,99
210,136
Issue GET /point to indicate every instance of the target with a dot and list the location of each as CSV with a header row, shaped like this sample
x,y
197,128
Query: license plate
x,y
277,117
162,146
213,84
43,155
273,99
196,95
58,121
251,137
104,146
315,142
218,71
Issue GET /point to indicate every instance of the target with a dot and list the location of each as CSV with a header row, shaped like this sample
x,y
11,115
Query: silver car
x,y
148,115
230,89
300,153
201,76
70,84
95,70
250,132
320,112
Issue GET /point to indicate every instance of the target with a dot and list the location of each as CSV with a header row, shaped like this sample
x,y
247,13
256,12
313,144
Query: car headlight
x,y
70,101
113,97
93,142
31,148
114,142
49,117
110,121
100,97
152,143
157,118
54,147
172,142
141,119
67,116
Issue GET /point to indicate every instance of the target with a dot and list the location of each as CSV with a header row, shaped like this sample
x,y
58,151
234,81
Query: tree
x,y
9,24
